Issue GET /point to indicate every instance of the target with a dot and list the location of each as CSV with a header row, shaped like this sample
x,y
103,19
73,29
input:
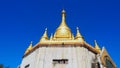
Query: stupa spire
x,y
51,37
29,48
97,46
63,15
78,35
63,31
63,22
45,36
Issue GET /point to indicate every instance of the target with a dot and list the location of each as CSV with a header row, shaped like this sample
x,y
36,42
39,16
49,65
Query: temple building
x,y
64,50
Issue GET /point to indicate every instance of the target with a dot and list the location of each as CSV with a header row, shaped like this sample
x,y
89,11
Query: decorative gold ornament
x,y
45,36
51,37
79,36
97,46
29,48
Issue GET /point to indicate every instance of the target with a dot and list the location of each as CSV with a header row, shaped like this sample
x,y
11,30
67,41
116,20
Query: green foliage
x,y
1,66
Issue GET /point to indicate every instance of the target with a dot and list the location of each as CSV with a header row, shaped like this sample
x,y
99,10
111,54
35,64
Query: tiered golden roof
x,y
63,35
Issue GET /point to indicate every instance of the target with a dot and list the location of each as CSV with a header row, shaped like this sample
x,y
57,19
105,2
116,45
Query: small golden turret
x,y
51,37
45,36
78,35
63,31
29,48
97,46
73,37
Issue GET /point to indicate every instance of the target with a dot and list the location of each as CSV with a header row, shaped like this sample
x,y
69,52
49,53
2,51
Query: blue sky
x,y
22,21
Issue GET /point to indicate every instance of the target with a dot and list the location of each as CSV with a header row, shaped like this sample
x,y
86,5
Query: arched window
x,y
108,63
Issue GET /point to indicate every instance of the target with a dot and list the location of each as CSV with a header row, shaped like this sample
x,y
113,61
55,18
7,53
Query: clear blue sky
x,y
22,21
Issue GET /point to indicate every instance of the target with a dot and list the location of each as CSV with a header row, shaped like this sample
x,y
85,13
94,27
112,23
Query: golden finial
x,y
63,31
45,33
29,48
31,42
63,15
51,37
97,46
63,10
45,36
78,35
63,22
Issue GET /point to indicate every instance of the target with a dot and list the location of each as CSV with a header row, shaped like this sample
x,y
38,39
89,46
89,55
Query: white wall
x,y
78,57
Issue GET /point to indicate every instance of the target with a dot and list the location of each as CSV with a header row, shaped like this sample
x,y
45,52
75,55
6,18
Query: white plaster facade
x,y
78,57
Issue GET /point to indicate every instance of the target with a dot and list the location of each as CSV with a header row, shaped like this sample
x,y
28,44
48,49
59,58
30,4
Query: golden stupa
x,y
63,31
